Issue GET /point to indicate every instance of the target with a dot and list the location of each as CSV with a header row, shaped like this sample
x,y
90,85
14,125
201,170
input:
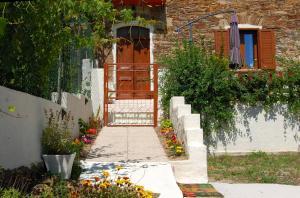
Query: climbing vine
x,y
214,90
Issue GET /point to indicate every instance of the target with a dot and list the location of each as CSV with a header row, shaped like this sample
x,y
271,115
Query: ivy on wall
x,y
214,90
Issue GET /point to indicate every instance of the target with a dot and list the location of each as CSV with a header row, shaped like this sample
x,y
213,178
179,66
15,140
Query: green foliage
x,y
214,90
76,169
83,126
3,23
10,193
204,81
33,34
166,123
60,189
56,137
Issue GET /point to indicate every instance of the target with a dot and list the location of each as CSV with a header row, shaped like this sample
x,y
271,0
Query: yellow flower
x,y
103,185
86,182
139,188
178,151
107,183
120,181
105,173
119,168
179,147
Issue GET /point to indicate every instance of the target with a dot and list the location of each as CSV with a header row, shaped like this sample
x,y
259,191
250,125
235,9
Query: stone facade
x,y
283,16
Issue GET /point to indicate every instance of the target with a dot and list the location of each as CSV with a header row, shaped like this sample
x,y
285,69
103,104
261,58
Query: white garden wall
x,y
20,131
258,131
97,90
187,128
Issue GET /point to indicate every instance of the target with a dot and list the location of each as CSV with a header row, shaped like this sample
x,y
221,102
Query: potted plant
x,y
59,150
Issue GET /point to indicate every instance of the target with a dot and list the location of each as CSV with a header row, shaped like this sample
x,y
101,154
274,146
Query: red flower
x,y
92,131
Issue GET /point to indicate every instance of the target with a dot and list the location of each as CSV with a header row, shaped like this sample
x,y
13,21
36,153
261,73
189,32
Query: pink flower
x,y
85,140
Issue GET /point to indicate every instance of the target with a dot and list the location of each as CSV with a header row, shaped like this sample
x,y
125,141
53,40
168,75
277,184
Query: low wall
x,y
97,90
21,130
258,131
187,128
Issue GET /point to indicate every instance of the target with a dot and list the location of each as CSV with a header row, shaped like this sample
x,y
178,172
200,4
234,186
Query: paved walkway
x,y
257,190
127,144
139,151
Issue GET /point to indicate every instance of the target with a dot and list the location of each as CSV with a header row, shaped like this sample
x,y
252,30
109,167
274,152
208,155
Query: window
x,y
257,47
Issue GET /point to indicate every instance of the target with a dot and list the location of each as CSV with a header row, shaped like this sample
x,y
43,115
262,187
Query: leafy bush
x,y
213,89
166,123
204,81
56,138
10,193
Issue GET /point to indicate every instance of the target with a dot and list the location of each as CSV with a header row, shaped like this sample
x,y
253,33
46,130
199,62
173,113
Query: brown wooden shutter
x,y
267,49
222,42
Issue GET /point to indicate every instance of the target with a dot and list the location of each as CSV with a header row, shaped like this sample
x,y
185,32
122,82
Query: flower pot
x,y
60,164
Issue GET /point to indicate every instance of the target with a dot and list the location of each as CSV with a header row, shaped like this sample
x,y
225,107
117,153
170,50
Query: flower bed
x,y
106,186
173,147
103,185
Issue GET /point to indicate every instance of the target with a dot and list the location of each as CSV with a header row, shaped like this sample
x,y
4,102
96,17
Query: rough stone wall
x,y
283,16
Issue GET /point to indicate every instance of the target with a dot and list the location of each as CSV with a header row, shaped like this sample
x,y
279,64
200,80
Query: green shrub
x,y
10,193
214,90
56,138
166,123
204,81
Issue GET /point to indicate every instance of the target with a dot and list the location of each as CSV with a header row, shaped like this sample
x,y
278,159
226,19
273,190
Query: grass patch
x,y
257,167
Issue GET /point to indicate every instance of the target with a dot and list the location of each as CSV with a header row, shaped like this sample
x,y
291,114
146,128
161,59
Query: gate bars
x,y
140,108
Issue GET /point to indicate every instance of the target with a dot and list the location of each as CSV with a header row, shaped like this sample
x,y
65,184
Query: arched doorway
x,y
133,62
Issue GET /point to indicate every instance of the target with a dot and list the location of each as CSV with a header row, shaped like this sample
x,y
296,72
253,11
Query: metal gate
x,y
130,94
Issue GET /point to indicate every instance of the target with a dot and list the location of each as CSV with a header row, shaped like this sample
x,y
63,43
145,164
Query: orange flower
x,y
77,141
97,178
86,182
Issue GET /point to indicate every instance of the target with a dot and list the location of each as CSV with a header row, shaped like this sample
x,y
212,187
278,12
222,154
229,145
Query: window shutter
x,y
222,42
267,49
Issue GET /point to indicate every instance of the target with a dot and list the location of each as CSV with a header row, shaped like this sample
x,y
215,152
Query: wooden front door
x,y
133,63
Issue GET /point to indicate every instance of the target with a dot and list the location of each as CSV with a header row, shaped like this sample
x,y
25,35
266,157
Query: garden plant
x,y
214,90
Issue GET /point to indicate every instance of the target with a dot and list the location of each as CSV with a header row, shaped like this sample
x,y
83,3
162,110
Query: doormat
x,y
199,190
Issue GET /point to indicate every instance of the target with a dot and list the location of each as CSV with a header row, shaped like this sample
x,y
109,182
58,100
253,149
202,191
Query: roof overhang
x,y
139,2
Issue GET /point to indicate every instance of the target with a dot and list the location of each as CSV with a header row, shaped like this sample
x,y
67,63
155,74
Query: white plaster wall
x,y
187,128
97,90
20,137
262,133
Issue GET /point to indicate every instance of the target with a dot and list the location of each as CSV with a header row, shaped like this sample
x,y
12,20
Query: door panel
x,y
133,49
124,71
141,55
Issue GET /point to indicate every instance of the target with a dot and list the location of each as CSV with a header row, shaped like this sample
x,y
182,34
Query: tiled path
x,y
139,151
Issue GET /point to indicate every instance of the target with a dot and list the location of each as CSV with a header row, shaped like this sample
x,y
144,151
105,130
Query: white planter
x,y
60,164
